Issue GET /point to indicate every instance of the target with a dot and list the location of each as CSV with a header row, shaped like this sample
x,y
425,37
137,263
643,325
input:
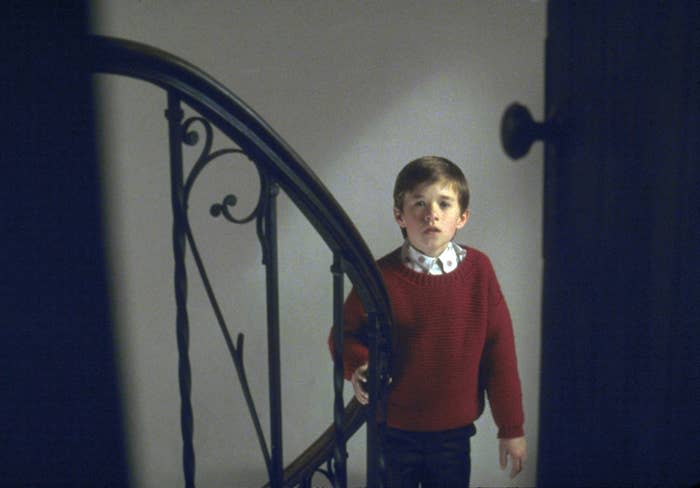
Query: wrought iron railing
x,y
279,168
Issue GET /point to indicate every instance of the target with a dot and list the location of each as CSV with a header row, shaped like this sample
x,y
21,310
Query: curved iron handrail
x,y
278,162
320,451
257,139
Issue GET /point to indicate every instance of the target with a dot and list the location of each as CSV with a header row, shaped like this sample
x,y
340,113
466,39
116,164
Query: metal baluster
x,y
174,114
383,387
339,452
273,334
373,388
377,386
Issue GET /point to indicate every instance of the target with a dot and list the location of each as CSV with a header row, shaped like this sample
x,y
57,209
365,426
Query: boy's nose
x,y
431,215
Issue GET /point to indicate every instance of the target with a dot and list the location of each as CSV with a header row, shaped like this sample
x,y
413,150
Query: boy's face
x,y
431,216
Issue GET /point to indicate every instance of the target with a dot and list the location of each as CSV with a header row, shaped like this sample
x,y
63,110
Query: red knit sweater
x,y
452,340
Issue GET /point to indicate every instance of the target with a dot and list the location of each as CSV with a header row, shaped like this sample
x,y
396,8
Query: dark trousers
x,y
427,459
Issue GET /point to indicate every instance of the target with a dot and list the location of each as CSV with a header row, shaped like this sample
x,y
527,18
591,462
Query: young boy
x,y
452,338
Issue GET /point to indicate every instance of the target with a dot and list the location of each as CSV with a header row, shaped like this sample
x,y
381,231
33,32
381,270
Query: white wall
x,y
358,89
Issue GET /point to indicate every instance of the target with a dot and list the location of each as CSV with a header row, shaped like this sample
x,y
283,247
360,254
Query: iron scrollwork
x,y
189,136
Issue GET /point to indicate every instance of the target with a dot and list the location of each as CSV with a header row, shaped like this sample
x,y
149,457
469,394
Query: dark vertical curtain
x,y
60,419
620,391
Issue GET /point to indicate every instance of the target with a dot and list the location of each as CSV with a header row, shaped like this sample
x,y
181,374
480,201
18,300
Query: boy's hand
x,y
517,450
359,384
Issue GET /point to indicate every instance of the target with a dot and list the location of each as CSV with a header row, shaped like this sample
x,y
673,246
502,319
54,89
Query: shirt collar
x,y
445,263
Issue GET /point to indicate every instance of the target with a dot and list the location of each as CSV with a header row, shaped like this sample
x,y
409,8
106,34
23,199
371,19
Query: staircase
x,y
279,169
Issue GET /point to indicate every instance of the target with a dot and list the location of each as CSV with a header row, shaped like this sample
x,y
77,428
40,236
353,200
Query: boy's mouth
x,y
431,230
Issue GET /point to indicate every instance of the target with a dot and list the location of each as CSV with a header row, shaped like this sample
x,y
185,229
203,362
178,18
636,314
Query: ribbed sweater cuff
x,y
511,432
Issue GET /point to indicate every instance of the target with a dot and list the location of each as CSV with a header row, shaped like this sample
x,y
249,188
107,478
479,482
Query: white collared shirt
x,y
445,263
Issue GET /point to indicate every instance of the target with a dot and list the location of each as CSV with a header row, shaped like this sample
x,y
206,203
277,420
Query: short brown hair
x,y
430,169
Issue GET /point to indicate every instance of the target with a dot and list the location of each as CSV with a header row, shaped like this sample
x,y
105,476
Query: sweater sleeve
x,y
501,368
355,350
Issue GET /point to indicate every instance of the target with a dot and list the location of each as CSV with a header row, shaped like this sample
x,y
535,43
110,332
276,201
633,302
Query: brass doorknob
x,y
519,130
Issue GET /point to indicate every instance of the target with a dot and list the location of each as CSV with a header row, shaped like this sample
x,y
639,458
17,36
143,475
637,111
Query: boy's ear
x,y
463,219
398,216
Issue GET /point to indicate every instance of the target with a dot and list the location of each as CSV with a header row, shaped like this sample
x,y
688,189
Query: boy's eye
x,y
420,203
445,204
